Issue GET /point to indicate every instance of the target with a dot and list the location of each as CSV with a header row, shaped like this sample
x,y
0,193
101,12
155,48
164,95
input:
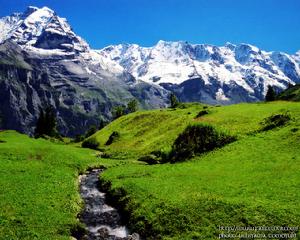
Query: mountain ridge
x,y
177,62
84,84
64,72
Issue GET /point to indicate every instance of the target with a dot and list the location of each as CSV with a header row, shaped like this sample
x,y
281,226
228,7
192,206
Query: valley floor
x,y
251,182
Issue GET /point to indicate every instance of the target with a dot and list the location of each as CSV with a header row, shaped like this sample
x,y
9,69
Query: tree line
x,y
47,123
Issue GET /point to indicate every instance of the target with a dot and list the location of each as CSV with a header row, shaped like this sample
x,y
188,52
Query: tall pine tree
x,y
46,123
271,95
174,101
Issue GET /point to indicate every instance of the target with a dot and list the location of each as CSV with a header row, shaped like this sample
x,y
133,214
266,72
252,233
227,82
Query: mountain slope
x,y
290,94
228,74
62,71
83,85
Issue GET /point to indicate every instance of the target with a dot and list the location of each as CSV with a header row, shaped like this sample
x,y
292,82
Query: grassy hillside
x,y
291,94
253,181
145,131
39,197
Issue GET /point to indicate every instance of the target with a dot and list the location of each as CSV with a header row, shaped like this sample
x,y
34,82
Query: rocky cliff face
x,y
44,63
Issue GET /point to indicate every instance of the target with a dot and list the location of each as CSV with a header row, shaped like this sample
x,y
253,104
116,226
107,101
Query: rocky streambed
x,y
101,220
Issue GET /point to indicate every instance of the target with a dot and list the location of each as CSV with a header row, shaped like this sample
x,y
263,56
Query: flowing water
x,y
102,221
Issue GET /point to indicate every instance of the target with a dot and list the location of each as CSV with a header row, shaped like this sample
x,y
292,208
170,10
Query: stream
x,y
101,220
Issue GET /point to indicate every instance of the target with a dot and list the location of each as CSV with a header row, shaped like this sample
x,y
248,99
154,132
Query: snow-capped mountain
x,y
40,28
40,31
43,62
231,73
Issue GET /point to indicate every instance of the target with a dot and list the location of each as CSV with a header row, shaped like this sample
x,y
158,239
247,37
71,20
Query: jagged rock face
x,y
201,72
44,63
29,82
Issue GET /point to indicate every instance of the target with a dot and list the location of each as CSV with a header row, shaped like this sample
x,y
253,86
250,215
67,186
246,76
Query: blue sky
x,y
268,24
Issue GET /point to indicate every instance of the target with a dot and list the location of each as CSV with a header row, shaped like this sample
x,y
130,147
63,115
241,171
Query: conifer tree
x,y
174,101
46,123
271,95
132,106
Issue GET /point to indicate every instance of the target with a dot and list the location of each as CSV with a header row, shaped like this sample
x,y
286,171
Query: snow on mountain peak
x,y
296,56
43,33
176,62
221,70
40,28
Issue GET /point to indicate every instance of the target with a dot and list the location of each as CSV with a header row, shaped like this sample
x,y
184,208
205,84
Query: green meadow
x,y
39,196
254,181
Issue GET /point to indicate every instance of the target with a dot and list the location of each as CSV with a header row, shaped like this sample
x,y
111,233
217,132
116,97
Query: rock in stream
x,y
102,221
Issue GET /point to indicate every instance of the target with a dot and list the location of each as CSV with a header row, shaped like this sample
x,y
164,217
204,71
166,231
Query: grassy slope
x,y
254,181
291,94
39,196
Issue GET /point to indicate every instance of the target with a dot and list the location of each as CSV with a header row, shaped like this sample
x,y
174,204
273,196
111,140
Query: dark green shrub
x,y
150,159
106,155
132,106
118,111
275,120
78,138
155,157
90,143
202,113
292,130
112,138
197,139
163,156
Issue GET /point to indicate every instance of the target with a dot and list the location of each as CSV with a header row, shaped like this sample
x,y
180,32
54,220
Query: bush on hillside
x,y
155,157
90,143
275,120
132,106
118,111
78,138
197,139
112,138
150,159
202,113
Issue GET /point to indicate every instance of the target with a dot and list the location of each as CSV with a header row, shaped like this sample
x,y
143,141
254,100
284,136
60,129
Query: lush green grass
x,y
146,130
143,132
253,181
39,196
